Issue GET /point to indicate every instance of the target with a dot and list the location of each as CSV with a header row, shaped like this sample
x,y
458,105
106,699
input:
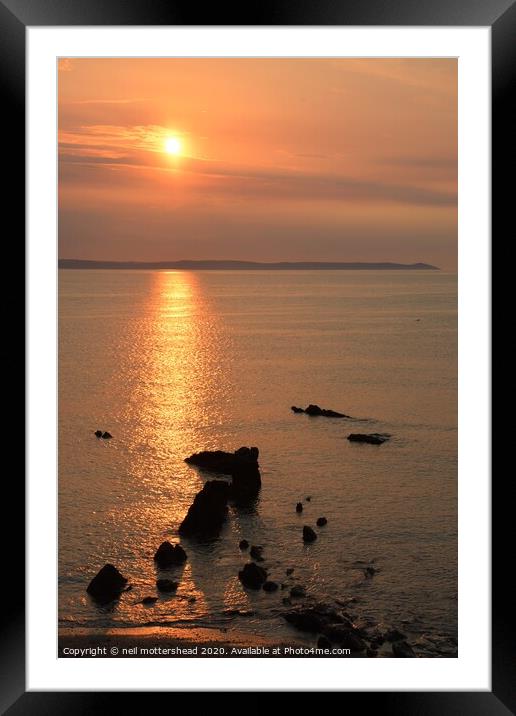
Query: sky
x,y
268,159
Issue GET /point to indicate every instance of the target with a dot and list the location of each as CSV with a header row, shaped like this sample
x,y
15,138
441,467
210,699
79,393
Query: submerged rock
x,y
321,521
243,544
252,576
299,507
269,586
315,618
297,592
371,438
168,555
106,435
149,600
242,465
256,552
315,410
207,512
289,571
403,650
98,433
166,585
107,585
308,534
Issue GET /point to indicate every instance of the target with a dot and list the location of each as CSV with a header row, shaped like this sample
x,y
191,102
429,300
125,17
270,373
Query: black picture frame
x,y
15,17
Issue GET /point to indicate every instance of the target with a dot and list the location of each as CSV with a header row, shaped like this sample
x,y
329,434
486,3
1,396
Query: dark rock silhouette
x,y
289,571
321,521
252,576
369,572
316,618
345,636
308,498
242,465
394,635
168,555
207,512
98,433
403,650
106,435
315,411
166,585
243,544
149,600
371,438
107,585
297,592
308,534
323,642
299,507
256,552
269,586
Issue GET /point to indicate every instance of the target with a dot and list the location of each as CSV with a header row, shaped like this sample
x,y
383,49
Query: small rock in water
x,y
299,507
252,576
270,586
243,544
208,511
323,642
289,571
107,585
403,650
369,572
394,635
98,433
315,410
166,585
168,555
149,600
371,438
106,435
298,591
308,534
308,498
321,521
256,552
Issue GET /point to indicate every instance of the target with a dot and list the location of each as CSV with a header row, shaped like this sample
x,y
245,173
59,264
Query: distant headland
x,y
244,265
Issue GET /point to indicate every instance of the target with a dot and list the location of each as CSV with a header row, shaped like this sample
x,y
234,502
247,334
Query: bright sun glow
x,y
173,145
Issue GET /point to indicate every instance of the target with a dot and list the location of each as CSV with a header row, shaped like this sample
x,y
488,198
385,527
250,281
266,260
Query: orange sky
x,y
297,159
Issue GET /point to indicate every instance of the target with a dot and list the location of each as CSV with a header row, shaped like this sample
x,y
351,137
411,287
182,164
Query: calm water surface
x,y
173,362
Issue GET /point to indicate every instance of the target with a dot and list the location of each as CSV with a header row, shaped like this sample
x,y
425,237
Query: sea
x,y
174,362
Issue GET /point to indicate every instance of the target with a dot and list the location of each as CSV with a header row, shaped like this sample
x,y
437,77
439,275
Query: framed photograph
x,y
258,366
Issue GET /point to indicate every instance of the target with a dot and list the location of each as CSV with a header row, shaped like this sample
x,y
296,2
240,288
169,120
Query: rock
x,y
149,600
243,544
308,534
224,462
289,571
315,410
252,576
283,586
256,552
270,586
207,512
308,498
369,572
299,507
166,585
403,650
297,591
168,555
323,642
106,435
321,521
394,635
315,618
371,438
107,585
286,601
242,465
371,653
98,433
345,635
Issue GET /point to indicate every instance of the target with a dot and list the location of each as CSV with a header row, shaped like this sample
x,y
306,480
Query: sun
x,y
173,146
